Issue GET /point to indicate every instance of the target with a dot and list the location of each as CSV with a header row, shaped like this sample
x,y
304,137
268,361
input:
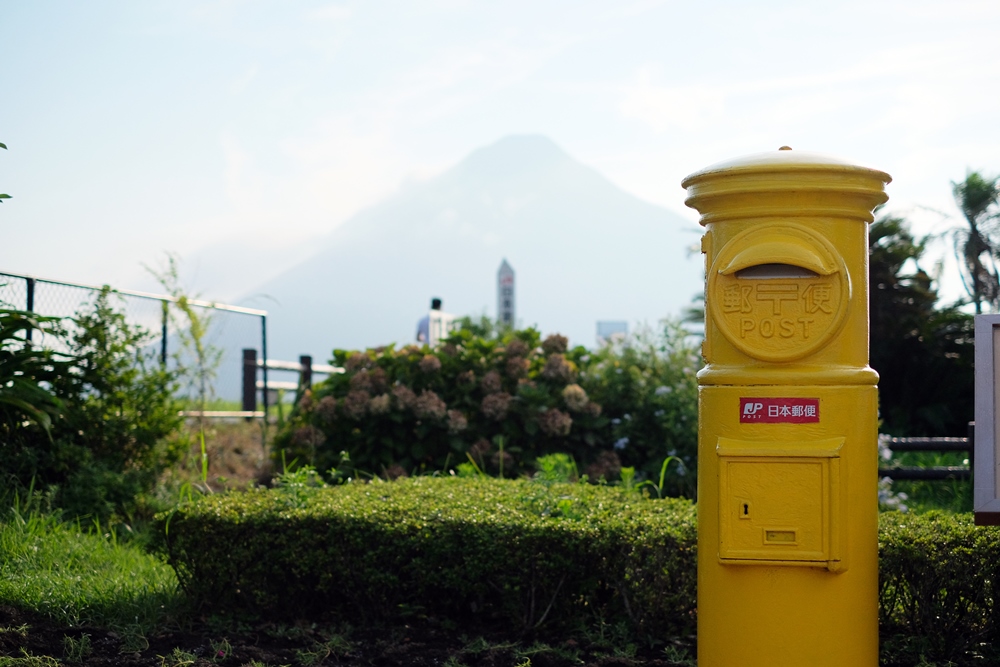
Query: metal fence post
x,y
263,354
163,330
306,374
249,380
30,303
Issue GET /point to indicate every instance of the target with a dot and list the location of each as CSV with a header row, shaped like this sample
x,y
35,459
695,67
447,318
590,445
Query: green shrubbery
x,y
497,404
939,588
511,554
519,554
89,428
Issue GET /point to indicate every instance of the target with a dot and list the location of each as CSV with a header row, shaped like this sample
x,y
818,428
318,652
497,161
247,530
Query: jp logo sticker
x,y
779,410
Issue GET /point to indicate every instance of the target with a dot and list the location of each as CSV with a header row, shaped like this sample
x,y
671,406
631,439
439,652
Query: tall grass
x,y
926,495
80,577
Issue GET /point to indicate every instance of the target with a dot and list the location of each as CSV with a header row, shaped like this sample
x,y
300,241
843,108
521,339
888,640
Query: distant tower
x,y
505,295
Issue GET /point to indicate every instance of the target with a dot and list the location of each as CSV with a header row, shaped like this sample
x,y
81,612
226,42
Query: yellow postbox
x,y
787,453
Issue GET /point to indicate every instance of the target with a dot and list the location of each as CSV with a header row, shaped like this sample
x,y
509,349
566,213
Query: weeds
x,y
679,656
177,658
28,660
133,639
19,630
336,646
297,484
220,650
628,477
77,650
555,468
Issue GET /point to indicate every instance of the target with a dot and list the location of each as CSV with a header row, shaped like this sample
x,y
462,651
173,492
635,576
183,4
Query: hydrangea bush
x,y
485,404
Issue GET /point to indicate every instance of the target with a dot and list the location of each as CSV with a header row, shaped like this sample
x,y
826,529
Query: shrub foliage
x,y
518,555
497,404
101,416
939,589
513,554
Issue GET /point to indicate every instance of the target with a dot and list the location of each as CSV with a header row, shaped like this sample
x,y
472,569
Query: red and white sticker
x,y
779,410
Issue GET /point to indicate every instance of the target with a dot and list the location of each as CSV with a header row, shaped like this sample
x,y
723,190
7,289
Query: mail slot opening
x,y
774,271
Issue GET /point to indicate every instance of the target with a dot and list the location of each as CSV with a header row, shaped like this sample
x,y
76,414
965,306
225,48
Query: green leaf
x,y
3,146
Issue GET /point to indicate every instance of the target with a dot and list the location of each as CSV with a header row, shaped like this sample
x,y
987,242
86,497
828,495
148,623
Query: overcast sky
x,y
134,128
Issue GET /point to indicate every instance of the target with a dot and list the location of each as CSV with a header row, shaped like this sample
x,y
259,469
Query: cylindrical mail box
x,y
787,435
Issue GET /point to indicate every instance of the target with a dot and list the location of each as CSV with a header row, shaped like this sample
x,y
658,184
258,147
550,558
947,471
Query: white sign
x,y
986,492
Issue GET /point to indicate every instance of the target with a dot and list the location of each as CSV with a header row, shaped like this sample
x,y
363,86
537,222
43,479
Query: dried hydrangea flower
x,y
491,383
495,406
555,344
356,403
457,421
380,405
555,422
430,364
558,369
429,405
378,381
356,362
607,466
480,449
395,471
403,396
326,410
575,397
309,436
517,367
361,381
517,348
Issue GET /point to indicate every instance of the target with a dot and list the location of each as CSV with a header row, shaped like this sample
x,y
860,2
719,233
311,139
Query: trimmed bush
x,y
519,554
514,554
939,580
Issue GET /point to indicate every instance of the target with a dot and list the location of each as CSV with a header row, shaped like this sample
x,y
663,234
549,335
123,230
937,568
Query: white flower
x,y
883,446
621,443
662,389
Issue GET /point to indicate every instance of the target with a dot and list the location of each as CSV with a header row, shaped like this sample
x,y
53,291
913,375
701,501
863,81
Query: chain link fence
x,y
231,329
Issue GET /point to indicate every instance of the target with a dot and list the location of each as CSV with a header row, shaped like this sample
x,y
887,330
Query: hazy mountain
x,y
583,250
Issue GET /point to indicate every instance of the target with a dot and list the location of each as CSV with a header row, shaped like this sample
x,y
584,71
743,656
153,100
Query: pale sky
x,y
135,128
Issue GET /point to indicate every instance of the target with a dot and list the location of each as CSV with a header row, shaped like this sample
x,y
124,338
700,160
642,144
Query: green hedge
x,y
523,554
939,580
476,551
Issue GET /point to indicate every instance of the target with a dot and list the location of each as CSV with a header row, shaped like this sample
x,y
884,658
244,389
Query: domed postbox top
x,y
785,182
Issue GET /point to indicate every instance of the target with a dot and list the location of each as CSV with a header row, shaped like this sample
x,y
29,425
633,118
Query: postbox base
x,y
787,536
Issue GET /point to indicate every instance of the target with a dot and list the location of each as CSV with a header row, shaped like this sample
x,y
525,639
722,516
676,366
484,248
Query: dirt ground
x,y
37,642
